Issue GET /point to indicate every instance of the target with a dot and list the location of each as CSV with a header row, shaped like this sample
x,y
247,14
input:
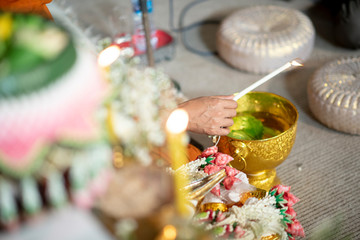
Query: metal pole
x,y
145,20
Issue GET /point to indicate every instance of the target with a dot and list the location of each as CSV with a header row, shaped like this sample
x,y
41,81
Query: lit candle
x,y
108,56
176,126
105,58
266,78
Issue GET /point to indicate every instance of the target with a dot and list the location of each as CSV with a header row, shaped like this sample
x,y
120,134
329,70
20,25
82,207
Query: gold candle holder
x,y
259,158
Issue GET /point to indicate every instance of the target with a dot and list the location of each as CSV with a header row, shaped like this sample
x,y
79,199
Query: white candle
x,y
266,78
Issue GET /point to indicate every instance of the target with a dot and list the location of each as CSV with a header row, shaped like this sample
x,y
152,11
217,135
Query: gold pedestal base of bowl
x,y
264,180
259,158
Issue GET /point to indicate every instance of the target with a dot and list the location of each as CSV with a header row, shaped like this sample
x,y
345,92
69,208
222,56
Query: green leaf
x,y
270,132
280,199
246,127
238,134
219,231
203,215
209,159
281,194
272,192
283,210
23,59
285,226
287,220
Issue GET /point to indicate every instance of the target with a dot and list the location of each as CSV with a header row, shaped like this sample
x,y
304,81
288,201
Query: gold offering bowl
x,y
259,158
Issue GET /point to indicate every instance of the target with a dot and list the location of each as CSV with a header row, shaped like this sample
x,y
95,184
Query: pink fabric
x,y
63,110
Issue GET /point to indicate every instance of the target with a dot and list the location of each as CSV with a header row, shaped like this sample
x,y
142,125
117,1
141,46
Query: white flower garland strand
x,y
141,100
257,218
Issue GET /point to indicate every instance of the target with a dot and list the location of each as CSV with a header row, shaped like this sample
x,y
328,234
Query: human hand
x,y
210,115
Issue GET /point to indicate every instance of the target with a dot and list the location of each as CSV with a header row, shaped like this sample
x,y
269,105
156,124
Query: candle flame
x,y
177,121
169,232
109,55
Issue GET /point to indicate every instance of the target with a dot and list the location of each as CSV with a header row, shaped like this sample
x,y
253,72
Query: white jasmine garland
x,y
261,217
126,127
192,169
141,97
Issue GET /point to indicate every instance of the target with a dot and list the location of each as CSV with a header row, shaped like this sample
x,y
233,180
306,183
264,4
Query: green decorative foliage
x,y
219,230
56,190
273,191
31,199
209,159
246,127
270,132
280,200
283,210
7,202
28,60
203,215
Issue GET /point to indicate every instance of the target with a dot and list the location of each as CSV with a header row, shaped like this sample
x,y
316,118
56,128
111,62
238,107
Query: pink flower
x,y
281,188
290,198
211,214
231,172
296,229
291,212
210,169
220,216
209,151
239,232
229,228
229,182
222,159
216,190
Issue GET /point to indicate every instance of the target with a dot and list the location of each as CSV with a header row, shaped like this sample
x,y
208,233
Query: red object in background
x,y
159,39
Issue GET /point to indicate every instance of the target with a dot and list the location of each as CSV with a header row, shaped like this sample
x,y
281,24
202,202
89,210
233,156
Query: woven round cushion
x,y
334,94
260,39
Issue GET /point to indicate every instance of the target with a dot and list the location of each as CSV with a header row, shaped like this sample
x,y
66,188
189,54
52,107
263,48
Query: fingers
x,y
229,113
228,122
227,101
219,127
230,97
219,131
210,115
230,104
223,131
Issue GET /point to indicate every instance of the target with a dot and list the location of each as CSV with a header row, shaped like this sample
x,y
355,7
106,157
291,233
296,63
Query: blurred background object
x,y
27,6
262,44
